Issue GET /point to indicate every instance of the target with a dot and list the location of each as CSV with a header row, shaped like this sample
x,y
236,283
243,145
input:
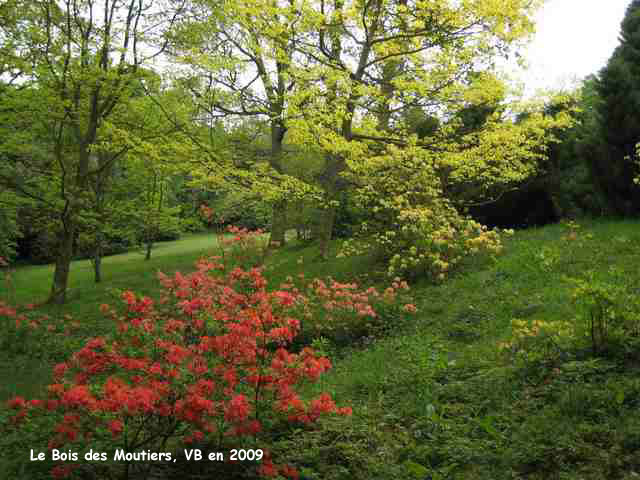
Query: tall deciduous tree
x,y
370,60
242,54
86,57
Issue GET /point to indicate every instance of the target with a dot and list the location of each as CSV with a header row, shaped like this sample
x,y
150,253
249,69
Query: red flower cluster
x,y
345,307
211,358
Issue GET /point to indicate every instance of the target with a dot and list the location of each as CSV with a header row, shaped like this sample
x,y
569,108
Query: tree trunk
x,y
325,230
62,267
105,164
97,259
149,247
332,185
279,213
73,193
278,224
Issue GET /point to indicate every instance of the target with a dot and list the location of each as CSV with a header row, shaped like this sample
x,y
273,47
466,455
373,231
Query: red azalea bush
x,y
210,219
345,312
242,247
25,331
209,362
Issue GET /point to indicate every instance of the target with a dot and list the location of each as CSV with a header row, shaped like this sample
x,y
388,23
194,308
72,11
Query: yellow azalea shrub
x,y
413,228
532,338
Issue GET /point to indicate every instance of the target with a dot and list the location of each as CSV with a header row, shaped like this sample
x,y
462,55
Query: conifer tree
x,y
614,166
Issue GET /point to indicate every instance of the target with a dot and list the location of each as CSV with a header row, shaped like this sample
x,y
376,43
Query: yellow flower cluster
x,y
414,228
425,241
531,330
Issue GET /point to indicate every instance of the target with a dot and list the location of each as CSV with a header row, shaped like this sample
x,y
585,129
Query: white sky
x,y
573,39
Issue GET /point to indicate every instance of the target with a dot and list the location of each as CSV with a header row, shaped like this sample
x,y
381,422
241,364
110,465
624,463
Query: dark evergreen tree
x,y
613,165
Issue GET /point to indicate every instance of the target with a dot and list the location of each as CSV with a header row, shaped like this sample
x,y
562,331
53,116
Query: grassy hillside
x,y
456,394
443,400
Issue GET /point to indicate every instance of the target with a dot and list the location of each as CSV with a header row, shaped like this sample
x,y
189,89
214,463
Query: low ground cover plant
x,y
608,314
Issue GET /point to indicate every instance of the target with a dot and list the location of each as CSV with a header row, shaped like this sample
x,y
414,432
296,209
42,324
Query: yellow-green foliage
x,y
530,338
413,227
610,313
328,72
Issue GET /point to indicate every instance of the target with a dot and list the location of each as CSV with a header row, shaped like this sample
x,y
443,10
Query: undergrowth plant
x,y
25,331
609,313
537,340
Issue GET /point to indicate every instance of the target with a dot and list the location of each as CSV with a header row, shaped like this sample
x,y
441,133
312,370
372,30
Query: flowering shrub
x,y
343,312
340,312
242,247
210,219
534,340
208,362
425,241
25,331
414,229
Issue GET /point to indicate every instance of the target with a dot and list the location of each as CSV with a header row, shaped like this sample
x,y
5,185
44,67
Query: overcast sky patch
x,y
574,38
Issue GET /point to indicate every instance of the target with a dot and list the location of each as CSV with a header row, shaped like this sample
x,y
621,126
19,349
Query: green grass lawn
x,y
438,399
128,270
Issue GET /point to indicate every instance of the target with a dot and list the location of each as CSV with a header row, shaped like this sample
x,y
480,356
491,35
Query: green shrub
x,y
9,229
26,332
242,209
609,314
537,340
